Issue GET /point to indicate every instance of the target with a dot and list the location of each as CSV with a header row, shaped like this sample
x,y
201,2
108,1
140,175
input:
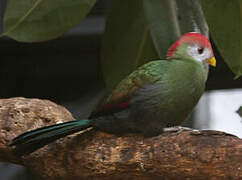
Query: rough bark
x,y
96,155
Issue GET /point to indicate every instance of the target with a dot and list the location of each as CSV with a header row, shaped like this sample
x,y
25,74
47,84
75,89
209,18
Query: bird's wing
x,y
121,97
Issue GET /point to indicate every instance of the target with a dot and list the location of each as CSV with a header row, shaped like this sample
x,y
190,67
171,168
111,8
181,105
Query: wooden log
x,y
189,154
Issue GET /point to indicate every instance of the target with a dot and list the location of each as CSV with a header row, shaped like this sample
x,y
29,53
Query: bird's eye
x,y
200,50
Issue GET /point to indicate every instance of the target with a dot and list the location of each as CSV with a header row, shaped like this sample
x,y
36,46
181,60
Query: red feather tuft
x,y
123,104
191,37
116,106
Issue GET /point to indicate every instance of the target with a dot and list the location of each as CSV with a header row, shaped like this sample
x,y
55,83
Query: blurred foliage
x,y
225,24
127,42
136,32
169,19
41,20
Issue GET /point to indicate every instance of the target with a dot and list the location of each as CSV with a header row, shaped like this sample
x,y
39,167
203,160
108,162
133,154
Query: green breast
x,y
184,83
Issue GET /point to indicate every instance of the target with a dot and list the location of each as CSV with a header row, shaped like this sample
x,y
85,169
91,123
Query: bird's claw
x,y
177,129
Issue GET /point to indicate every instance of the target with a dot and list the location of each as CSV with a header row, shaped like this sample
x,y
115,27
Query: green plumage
x,y
158,94
163,94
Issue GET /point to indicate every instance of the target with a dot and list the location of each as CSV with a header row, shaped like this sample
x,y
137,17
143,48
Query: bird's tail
x,y
33,140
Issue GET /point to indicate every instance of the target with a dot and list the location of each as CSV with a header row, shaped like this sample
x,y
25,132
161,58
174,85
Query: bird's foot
x,y
177,129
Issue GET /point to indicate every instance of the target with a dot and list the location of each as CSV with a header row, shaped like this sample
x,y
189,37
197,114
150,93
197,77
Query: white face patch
x,y
198,53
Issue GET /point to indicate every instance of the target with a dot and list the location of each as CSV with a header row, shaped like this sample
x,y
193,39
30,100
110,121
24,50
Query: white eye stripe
x,y
193,51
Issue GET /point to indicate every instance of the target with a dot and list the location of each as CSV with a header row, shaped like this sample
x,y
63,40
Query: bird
x,y
159,94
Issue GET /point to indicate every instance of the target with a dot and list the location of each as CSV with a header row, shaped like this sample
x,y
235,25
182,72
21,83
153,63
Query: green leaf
x,y
127,43
224,20
169,19
191,17
41,20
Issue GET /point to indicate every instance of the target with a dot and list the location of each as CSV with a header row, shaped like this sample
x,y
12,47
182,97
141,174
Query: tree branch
x,y
96,155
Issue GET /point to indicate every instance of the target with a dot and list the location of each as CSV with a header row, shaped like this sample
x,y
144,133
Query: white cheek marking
x,y
193,52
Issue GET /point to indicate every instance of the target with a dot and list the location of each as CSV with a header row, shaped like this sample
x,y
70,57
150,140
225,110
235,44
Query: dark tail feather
x,y
33,140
